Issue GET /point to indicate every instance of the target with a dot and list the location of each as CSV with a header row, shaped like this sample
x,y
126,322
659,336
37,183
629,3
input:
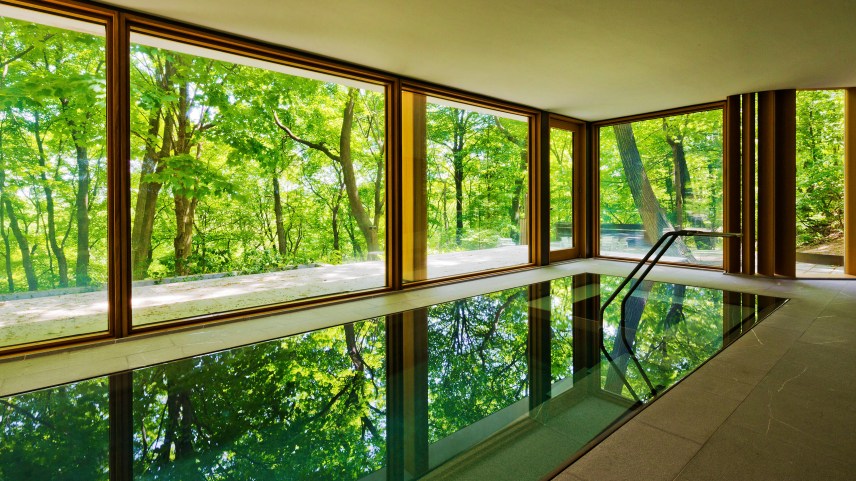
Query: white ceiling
x,y
592,60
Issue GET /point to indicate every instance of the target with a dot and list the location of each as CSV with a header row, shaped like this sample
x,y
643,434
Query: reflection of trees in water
x,y
477,358
302,407
59,433
672,329
561,327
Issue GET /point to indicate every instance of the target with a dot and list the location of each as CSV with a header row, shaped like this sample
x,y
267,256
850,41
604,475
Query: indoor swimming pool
x,y
513,384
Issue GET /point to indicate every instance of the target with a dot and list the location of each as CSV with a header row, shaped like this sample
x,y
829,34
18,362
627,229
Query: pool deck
x,y
776,404
51,317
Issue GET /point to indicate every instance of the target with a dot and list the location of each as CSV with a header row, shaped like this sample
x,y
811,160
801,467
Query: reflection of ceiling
x,y
591,59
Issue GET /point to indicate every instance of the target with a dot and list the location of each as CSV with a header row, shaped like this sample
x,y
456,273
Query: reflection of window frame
x,y
594,146
578,130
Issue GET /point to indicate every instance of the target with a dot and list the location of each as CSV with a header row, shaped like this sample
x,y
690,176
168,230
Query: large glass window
x,y
820,182
465,188
561,188
252,183
660,175
53,186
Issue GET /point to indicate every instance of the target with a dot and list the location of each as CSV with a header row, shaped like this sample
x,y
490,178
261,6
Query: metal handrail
x,y
668,238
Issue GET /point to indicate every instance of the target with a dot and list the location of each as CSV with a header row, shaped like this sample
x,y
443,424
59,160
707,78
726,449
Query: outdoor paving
x,y
36,319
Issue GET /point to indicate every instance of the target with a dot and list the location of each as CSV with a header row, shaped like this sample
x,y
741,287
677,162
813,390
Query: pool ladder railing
x,y
663,244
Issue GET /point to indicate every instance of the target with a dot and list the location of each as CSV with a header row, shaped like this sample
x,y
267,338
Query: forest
x,y
660,175
237,166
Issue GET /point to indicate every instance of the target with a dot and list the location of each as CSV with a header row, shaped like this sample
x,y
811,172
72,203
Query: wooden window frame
x,y
118,24
535,205
579,130
594,146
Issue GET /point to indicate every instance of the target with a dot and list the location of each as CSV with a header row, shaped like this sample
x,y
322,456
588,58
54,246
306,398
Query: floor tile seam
x,y
777,328
730,413
714,433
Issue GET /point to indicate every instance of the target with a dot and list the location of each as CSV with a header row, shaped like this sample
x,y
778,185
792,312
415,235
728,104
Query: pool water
x,y
511,385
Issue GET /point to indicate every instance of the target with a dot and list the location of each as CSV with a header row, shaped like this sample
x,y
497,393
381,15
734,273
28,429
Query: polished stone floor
x,y
777,404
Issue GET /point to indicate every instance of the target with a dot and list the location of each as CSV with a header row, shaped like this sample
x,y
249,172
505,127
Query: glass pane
x,y
252,183
470,213
661,175
53,178
561,189
820,182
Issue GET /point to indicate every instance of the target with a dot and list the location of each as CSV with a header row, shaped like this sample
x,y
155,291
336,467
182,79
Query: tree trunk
x,y
147,195
185,205
654,221
335,226
58,252
635,307
368,230
81,204
514,210
353,352
26,260
277,210
10,279
681,175
344,158
458,164
183,241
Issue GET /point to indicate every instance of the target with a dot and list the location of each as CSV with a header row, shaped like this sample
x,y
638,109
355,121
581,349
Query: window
x,y
465,191
53,185
820,182
252,183
660,175
564,139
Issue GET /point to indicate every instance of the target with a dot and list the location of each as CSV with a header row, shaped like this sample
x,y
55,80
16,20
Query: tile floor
x,y
777,404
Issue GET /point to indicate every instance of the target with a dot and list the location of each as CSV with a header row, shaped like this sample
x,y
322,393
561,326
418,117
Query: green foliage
x,y
820,166
698,136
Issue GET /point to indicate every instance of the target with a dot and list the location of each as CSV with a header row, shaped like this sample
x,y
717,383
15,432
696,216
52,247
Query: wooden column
x,y
415,379
590,243
541,192
786,183
414,207
748,185
777,183
119,178
849,181
731,191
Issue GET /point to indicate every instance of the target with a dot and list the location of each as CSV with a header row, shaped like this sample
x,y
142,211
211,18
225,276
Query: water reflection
x,y
506,385
59,433
308,406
